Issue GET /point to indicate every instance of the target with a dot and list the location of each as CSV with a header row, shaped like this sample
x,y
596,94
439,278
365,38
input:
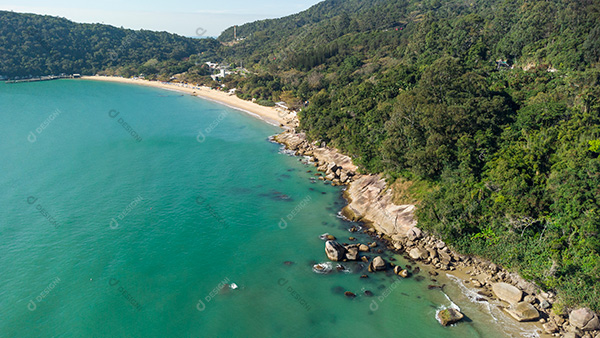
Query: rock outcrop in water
x,y
370,201
335,251
449,316
338,252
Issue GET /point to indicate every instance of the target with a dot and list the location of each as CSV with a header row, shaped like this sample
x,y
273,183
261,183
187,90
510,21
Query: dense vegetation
x,y
503,157
33,45
506,160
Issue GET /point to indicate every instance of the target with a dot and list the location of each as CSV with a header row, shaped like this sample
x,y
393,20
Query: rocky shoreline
x,y
370,202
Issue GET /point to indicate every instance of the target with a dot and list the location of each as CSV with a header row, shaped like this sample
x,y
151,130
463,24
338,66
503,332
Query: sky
x,y
184,17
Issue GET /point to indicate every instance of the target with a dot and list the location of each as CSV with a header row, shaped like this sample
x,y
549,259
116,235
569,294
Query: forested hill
x,y
564,34
45,45
485,113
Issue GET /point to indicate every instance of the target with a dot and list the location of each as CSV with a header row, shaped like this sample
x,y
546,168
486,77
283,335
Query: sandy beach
x,y
275,116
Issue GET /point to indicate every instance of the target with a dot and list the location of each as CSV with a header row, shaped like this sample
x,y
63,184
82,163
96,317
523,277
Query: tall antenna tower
x,y
234,32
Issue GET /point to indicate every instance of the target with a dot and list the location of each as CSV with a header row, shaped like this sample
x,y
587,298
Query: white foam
x,y
499,317
326,267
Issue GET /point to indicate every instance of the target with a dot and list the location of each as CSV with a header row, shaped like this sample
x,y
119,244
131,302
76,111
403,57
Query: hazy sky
x,y
184,17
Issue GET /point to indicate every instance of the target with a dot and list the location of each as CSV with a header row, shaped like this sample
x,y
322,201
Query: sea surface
x,y
128,211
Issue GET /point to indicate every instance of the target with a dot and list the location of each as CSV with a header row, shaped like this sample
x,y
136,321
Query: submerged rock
x,y
327,237
449,316
349,294
322,267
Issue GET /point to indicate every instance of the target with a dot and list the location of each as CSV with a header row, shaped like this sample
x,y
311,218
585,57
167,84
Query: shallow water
x,y
128,208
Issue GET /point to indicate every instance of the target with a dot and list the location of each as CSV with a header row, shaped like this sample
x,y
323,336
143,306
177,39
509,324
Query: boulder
x,y
449,316
550,327
507,292
418,253
397,269
335,251
349,294
414,234
403,273
432,253
352,253
377,264
544,304
476,283
584,319
445,257
523,312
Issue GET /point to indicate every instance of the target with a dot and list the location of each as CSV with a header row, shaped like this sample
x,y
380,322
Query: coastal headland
x,y
370,201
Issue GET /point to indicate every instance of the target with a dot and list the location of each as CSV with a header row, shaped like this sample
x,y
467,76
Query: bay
x,y
124,209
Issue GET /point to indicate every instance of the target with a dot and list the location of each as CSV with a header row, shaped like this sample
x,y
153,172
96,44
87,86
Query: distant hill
x,y
564,34
42,45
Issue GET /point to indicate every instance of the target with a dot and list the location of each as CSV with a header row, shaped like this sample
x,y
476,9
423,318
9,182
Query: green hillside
x,y
503,160
44,45
489,110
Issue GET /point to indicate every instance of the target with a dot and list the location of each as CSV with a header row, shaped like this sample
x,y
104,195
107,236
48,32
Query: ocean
x,y
129,211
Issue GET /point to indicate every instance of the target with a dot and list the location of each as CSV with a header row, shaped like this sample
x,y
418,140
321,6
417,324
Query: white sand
x,y
275,116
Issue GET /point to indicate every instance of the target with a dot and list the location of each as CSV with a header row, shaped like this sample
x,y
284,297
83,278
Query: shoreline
x,y
274,116
369,202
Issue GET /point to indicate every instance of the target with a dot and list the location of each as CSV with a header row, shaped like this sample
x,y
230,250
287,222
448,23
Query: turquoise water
x,y
128,207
